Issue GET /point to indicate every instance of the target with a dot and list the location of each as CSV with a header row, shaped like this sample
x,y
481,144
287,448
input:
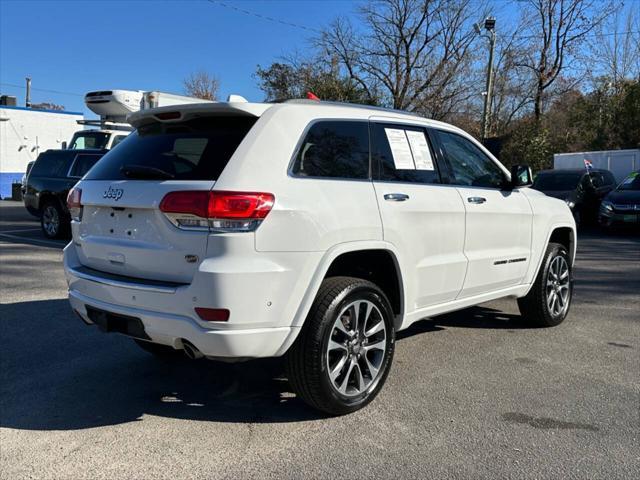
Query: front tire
x,y
342,356
547,303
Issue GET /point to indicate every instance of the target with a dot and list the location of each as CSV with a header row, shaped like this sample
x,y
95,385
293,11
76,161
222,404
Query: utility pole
x,y
490,26
27,100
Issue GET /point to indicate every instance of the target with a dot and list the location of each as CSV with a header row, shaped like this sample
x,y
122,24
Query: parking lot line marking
x,y
21,230
35,240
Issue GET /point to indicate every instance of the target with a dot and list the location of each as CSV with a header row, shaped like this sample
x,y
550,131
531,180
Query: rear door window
x,y
197,149
402,153
334,149
82,164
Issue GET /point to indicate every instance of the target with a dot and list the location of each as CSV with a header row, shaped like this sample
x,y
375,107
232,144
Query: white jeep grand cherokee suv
x,y
307,229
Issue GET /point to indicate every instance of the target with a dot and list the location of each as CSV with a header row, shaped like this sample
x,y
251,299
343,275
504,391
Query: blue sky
x,y
79,46
71,47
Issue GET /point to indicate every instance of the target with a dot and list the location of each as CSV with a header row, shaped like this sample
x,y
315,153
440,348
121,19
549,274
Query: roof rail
x,y
105,124
351,105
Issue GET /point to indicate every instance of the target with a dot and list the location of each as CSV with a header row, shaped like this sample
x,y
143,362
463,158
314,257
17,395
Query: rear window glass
x,y
557,181
334,149
83,164
89,141
51,164
197,149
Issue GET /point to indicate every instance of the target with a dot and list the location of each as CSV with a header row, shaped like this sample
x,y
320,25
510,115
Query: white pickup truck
x,y
310,230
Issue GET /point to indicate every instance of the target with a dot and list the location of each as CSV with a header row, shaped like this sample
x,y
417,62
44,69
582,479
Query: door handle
x,y
396,197
476,199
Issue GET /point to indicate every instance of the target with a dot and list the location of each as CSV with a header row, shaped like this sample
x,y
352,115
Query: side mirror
x,y
63,146
521,176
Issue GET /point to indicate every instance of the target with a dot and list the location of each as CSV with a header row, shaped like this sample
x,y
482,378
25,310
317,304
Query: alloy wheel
x,y
51,220
558,286
356,348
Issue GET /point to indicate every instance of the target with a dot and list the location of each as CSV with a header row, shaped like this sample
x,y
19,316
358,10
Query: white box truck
x,y
113,106
618,162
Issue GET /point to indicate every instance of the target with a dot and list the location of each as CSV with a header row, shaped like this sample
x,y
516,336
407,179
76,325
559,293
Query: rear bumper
x,y
262,306
172,330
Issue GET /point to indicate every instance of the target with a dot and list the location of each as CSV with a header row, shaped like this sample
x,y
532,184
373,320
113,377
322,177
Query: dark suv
x,y
622,205
582,190
53,174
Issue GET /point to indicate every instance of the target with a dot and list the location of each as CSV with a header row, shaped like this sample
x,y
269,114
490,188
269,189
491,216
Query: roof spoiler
x,y
178,113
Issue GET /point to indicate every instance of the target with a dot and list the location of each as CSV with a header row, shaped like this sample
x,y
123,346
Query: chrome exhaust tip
x,y
191,351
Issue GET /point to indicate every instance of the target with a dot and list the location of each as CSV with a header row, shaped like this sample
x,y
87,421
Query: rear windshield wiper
x,y
144,172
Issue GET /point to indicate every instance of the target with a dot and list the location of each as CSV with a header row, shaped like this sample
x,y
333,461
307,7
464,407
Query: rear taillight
x,y
217,210
74,203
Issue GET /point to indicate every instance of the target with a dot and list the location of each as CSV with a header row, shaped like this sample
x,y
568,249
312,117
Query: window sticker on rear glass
x,y
420,150
400,149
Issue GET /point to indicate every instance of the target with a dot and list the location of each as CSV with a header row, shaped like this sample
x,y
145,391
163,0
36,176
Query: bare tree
x,y
47,106
555,31
616,48
512,88
413,54
201,84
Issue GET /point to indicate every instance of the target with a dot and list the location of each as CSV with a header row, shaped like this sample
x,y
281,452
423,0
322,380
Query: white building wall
x,y
25,132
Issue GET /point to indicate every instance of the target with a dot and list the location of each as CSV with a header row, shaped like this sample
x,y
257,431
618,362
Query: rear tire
x,y
342,356
547,303
163,352
53,221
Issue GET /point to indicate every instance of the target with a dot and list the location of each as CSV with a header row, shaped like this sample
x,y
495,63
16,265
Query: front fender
x,y
549,214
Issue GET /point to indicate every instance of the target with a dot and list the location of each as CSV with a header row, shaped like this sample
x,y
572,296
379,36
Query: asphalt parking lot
x,y
474,394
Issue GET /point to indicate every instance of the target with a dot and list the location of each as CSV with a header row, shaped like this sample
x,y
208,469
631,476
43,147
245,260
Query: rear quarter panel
x,y
309,214
41,189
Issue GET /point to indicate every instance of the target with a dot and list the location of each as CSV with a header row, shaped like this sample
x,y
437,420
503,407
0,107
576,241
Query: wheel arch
x,y
345,260
565,236
562,233
49,197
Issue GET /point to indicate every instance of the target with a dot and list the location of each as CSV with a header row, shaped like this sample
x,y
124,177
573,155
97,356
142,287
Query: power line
x,y
264,17
589,35
313,29
41,89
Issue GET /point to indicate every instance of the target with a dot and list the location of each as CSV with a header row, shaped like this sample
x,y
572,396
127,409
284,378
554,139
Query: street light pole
x,y
489,25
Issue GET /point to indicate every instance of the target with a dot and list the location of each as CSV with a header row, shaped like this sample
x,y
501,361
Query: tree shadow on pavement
x,y
57,374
